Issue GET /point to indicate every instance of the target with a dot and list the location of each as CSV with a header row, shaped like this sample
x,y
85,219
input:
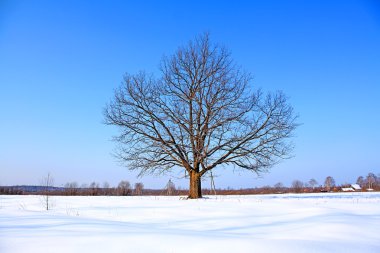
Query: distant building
x,y
352,188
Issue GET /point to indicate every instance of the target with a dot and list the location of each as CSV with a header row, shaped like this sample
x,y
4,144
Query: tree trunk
x,y
195,191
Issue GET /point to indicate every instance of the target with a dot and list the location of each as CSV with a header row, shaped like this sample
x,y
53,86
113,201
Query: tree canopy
x,y
200,113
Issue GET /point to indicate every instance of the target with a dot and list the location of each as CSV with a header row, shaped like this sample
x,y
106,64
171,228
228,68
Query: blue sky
x,y
61,60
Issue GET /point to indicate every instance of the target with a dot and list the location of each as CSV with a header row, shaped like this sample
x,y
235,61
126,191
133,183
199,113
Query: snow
x,y
328,222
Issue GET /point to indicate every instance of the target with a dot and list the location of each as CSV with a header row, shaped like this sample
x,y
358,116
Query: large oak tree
x,y
200,113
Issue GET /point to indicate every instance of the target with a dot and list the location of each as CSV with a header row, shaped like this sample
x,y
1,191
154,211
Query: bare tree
x,y
279,187
313,183
199,114
170,188
371,179
360,181
94,188
71,188
47,183
297,186
124,188
139,187
106,188
329,183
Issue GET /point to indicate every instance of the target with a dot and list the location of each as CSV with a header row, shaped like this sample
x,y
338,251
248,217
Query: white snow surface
x,y
328,222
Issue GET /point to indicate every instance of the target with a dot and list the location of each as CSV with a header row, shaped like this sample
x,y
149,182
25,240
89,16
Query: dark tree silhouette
x,y
199,114
139,187
279,187
329,183
94,188
360,181
124,188
297,186
313,183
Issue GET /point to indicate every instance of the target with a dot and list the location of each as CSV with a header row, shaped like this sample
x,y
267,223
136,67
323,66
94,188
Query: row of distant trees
x,y
369,182
124,188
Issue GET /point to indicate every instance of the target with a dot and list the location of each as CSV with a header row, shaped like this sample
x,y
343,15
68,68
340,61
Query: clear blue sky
x,y
61,60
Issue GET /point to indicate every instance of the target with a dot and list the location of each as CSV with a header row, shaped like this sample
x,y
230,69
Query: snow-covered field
x,y
348,222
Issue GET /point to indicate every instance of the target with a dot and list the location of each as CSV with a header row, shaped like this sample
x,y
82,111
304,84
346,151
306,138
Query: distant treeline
x,y
371,182
62,191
